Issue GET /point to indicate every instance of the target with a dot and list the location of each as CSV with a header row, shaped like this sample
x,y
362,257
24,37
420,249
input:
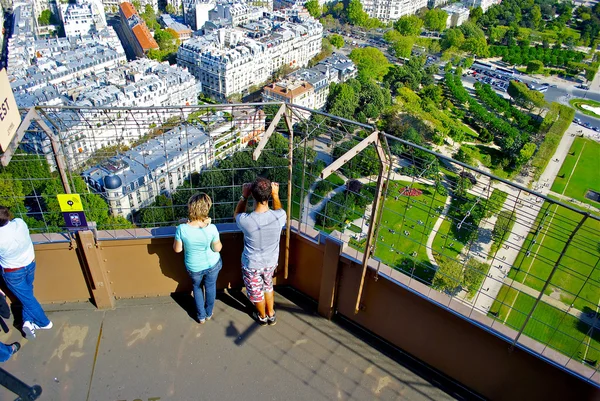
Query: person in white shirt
x,y
17,260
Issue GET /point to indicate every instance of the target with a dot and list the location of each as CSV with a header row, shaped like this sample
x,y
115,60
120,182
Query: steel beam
x,y
268,133
346,157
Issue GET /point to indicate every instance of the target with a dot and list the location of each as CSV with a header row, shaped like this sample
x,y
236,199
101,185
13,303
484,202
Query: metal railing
x,y
518,263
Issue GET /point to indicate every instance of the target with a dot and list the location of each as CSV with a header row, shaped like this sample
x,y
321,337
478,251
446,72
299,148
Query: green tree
x,y
435,19
475,14
342,100
337,41
535,67
170,9
536,17
356,14
433,92
453,38
11,192
403,46
44,18
371,63
448,277
526,153
409,25
313,8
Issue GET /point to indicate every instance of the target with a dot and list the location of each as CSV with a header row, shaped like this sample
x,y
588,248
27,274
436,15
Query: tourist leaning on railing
x,y
199,239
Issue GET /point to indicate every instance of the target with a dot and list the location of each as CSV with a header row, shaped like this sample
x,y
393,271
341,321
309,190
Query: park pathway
x,y
435,229
575,202
529,205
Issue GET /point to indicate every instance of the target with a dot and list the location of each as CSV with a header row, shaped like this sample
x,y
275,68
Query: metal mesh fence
x,y
509,257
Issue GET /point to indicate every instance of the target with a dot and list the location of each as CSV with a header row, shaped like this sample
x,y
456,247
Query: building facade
x,y
391,10
231,60
82,17
184,32
137,35
309,87
134,179
458,14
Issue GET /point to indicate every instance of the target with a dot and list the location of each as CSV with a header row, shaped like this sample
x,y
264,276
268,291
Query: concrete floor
x,y
150,349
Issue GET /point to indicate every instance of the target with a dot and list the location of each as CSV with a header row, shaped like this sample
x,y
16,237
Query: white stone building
x,y
458,14
484,4
140,83
231,60
83,17
391,10
33,64
134,179
196,12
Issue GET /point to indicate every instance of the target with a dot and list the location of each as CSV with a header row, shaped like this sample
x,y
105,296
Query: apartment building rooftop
x,y
143,160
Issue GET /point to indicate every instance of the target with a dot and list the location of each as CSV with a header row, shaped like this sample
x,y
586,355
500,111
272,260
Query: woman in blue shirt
x,y
200,241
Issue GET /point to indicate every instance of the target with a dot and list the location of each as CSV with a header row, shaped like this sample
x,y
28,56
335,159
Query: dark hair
x,y
261,189
5,216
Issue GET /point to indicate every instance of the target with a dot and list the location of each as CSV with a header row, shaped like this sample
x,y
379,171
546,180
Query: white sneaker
x,y
46,327
29,329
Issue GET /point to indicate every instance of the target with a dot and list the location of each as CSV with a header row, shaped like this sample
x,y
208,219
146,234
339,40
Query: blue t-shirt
x,y
196,246
262,233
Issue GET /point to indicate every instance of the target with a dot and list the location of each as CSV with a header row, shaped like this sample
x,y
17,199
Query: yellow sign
x,y
9,113
70,203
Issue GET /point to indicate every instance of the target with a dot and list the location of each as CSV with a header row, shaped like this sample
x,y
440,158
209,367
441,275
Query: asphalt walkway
x,y
150,349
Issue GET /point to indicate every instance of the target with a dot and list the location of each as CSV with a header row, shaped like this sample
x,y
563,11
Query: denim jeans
x,y
6,351
20,283
207,279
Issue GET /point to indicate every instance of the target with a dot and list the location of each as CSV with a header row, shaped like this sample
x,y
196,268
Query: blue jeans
x,y
208,279
6,351
20,283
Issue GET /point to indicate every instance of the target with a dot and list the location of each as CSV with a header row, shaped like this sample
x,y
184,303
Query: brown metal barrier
x,y
146,267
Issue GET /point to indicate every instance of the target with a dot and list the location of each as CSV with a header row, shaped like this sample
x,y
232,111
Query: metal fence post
x,y
288,229
379,190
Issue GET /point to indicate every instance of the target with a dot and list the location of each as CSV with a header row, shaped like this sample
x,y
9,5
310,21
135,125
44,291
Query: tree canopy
x,y
435,19
371,63
314,8
409,25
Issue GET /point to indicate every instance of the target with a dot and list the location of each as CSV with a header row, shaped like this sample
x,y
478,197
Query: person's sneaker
x,y
208,317
46,327
29,329
272,320
15,347
263,321
202,321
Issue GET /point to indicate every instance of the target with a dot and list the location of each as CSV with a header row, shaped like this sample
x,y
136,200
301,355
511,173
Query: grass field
x,y
402,214
548,325
577,278
580,171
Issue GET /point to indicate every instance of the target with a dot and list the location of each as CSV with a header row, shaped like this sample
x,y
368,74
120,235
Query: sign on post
x,y
9,112
72,211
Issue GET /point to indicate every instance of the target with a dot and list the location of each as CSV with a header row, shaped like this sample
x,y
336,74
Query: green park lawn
x,y
548,325
580,171
577,278
403,213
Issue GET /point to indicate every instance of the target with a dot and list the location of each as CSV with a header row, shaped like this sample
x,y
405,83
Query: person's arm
x,y
177,246
275,196
241,206
177,243
216,244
